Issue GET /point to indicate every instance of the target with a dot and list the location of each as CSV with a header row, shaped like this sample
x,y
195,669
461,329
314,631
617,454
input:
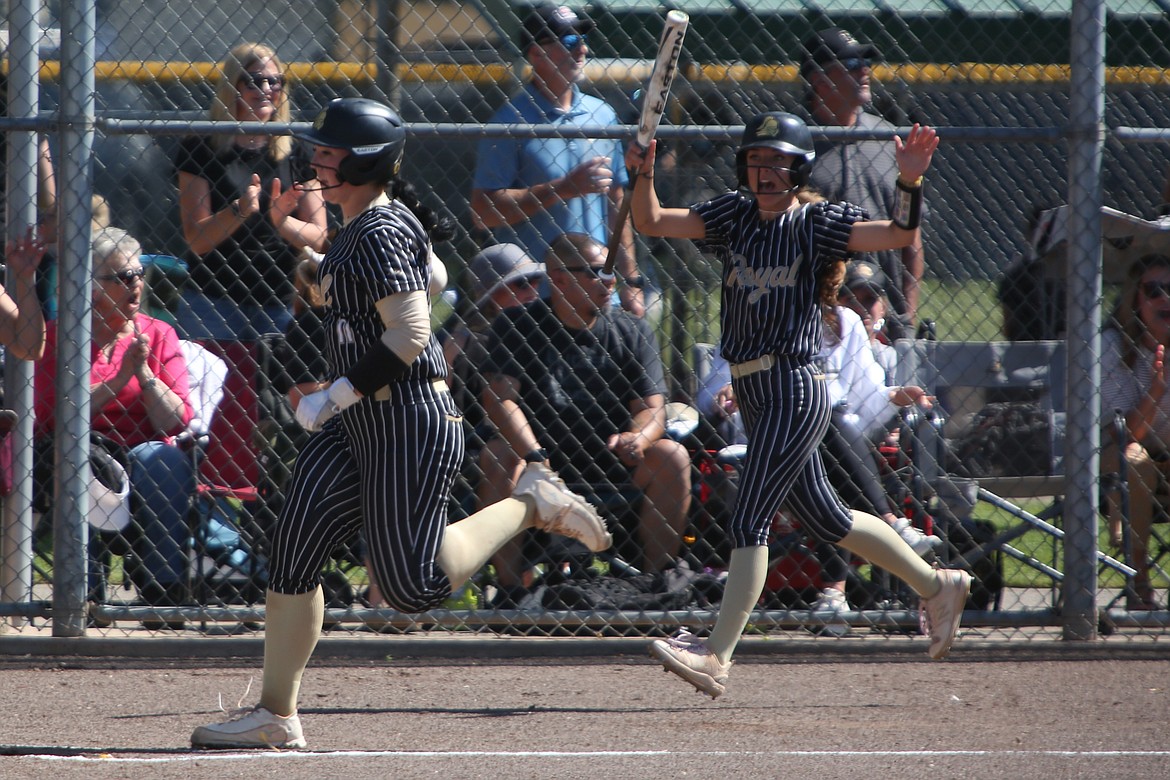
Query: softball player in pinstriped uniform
x,y
390,439
773,245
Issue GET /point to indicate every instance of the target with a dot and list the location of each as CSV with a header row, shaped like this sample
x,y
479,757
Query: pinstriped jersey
x,y
770,296
383,251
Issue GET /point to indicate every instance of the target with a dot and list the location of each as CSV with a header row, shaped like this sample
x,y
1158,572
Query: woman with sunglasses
x,y
1133,380
138,403
244,219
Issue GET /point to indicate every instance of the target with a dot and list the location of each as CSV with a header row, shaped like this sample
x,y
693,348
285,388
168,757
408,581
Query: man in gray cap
x,y
499,267
499,277
837,68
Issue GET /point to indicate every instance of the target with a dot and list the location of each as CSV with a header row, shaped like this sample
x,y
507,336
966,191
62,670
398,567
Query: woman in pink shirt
x,y
139,403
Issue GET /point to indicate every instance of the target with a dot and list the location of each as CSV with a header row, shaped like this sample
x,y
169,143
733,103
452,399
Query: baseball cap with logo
x,y
547,22
497,265
834,45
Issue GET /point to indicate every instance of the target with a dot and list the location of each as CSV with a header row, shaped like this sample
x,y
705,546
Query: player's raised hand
x,y
915,153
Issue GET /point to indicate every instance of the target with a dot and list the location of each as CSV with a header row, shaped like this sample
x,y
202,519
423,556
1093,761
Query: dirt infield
x,y
619,717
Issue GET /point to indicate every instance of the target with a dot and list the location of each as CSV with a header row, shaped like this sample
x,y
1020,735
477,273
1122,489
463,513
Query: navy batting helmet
x,y
371,131
783,132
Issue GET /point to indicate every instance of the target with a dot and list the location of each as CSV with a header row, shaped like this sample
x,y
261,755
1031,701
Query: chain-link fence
x,y
156,117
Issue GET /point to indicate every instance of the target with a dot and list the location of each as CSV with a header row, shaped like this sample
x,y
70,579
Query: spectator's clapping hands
x,y
1158,373
137,355
250,197
24,254
915,153
282,205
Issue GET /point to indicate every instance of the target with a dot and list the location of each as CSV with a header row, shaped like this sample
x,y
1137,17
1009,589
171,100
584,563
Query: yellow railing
x,y
621,71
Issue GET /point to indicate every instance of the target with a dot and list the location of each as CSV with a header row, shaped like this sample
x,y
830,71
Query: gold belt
x,y
383,394
762,363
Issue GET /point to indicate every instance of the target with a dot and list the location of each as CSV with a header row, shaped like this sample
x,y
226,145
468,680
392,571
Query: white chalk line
x,y
91,756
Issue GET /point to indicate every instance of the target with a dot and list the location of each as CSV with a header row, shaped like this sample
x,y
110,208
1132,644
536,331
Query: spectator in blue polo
x,y
528,191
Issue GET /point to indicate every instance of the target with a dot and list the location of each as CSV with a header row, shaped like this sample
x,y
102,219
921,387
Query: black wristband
x,y
637,281
907,213
537,456
377,368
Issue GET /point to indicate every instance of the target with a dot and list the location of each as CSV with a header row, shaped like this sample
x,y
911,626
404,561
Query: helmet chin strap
x,y
319,188
791,189
788,191
322,187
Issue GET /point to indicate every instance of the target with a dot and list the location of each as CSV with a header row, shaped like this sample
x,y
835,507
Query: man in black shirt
x,y
580,384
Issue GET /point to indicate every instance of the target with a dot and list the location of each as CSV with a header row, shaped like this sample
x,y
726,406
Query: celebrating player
x,y
774,246
390,438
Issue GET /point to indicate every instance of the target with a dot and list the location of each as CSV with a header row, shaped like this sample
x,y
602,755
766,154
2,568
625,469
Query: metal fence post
x,y
71,503
1086,141
16,553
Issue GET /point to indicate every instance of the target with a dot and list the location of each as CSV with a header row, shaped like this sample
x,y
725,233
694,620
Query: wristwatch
x,y
636,281
537,456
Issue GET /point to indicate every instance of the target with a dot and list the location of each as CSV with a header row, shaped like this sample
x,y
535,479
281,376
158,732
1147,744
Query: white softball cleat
x,y
689,657
251,728
560,510
941,614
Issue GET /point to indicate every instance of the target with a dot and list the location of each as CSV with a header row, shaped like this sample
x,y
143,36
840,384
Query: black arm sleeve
x,y
376,369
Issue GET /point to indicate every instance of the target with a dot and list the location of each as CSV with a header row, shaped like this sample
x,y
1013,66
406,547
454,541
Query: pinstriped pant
x,y
383,468
786,410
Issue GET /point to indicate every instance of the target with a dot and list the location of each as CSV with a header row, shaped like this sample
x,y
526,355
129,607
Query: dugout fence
x,y
1066,106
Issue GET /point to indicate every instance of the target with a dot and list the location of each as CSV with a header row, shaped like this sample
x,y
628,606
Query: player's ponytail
x,y
438,227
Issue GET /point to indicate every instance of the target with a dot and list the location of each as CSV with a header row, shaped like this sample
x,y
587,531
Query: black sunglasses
x,y
1155,290
262,82
127,277
523,283
854,63
570,41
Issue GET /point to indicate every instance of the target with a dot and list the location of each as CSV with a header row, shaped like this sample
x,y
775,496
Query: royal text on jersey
x,y
761,281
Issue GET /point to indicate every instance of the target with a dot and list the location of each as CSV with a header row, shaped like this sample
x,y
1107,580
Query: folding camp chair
x,y
230,519
982,387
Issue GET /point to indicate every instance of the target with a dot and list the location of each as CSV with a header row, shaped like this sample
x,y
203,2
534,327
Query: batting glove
x,y
316,408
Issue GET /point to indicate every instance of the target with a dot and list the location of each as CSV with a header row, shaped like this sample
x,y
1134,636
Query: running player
x,y
390,438
774,246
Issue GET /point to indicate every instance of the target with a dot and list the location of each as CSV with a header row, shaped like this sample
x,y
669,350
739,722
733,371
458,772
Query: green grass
x,y
962,311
